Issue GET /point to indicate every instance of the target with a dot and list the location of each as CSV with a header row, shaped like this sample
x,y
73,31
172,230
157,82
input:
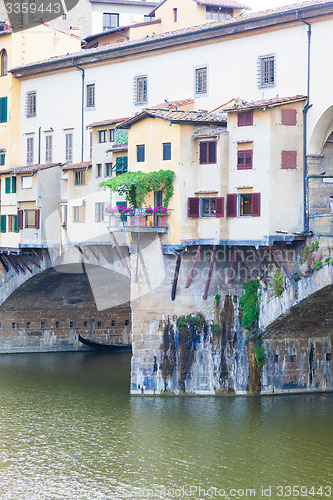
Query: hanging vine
x,y
137,185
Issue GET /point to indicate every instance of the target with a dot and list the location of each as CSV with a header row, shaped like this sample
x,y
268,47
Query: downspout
x,y
305,127
125,36
39,137
82,108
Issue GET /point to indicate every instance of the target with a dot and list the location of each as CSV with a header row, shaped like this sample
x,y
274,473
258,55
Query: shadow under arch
x,y
321,132
48,311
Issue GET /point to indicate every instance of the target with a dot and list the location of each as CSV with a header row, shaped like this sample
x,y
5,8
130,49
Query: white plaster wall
x,y
128,14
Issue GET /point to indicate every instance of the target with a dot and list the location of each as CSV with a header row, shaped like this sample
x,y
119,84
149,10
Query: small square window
x,y
108,169
266,71
31,101
26,182
99,324
201,81
42,325
91,95
166,151
110,20
140,153
245,118
140,89
71,324
113,322
85,324
293,358
57,324
127,322
29,218
245,159
79,178
102,136
99,170
28,324
79,214
99,212
12,223
207,152
111,135
208,207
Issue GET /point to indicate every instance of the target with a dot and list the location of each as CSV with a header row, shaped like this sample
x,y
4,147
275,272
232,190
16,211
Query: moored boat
x,y
99,346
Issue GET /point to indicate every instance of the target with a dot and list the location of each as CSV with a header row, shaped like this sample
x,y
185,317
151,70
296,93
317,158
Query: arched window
x,y
3,62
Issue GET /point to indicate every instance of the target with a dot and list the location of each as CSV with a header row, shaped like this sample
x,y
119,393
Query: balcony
x,y
139,223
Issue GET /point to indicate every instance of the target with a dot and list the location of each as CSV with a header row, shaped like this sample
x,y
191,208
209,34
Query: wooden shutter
x,y
37,217
193,207
232,205
245,118
20,219
3,109
219,207
255,204
289,159
7,185
13,184
203,152
16,229
249,118
3,223
212,152
288,116
244,159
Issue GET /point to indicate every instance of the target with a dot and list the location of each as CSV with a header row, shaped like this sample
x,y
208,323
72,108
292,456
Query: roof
x,y
75,166
177,116
118,148
264,103
90,38
29,169
209,132
111,121
244,22
173,104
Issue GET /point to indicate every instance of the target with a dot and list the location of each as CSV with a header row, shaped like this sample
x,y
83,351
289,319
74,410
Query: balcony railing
x,y
140,222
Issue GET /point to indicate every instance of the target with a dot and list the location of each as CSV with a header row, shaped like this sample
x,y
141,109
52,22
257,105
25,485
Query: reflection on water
x,y
70,431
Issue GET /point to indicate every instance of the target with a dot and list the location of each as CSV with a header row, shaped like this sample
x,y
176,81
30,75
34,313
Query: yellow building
x,y
16,49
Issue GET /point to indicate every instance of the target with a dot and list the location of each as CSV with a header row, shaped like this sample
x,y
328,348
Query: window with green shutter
x,y
3,109
121,165
7,185
16,229
10,185
3,223
2,158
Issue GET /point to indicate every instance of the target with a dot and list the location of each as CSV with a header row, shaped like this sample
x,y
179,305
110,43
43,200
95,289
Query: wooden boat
x,y
98,346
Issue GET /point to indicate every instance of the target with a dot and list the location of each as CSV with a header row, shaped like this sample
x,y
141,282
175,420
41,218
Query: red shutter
x,y
240,119
219,205
231,205
288,116
289,159
245,118
203,152
244,159
37,216
249,158
20,219
240,160
212,152
255,204
249,118
193,207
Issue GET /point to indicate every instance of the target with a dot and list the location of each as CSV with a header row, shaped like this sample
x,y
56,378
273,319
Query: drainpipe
x,y
305,123
121,34
82,108
39,136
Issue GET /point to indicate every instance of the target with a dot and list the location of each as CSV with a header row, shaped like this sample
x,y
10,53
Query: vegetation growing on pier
x,y
249,304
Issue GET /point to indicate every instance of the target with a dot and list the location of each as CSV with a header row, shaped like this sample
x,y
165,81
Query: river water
x,y
71,431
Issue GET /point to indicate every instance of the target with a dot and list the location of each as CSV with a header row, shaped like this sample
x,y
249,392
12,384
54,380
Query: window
x,y
99,170
99,212
207,152
140,153
12,224
248,205
31,218
10,185
208,207
3,220
31,100
30,150
3,62
111,132
167,151
2,158
266,71
175,15
79,178
121,165
110,21
140,89
102,136
205,207
48,148
108,169
288,117
245,118
218,13
79,214
289,159
64,17
244,159
201,81
3,109
69,147
91,95
26,182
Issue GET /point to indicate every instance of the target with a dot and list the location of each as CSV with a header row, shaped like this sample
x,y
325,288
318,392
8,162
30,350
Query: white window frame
x,y
26,182
99,212
79,214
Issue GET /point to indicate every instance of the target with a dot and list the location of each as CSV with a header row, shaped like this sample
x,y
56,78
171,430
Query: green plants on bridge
x,y
249,304
278,284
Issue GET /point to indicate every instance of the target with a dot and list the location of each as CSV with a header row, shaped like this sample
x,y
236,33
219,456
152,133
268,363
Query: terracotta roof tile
x,y
173,104
111,121
117,149
177,116
240,105
243,18
29,169
224,3
209,132
74,166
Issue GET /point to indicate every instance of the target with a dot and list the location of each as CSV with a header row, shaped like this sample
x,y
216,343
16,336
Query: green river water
x,y
71,431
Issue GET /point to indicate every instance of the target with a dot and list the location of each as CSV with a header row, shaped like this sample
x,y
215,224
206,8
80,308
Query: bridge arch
x,y
321,132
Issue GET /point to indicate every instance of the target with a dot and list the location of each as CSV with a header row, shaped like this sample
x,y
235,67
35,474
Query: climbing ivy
x,y
137,185
259,352
278,284
249,304
192,320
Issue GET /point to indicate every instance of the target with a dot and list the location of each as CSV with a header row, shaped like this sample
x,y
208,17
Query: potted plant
x,y
64,225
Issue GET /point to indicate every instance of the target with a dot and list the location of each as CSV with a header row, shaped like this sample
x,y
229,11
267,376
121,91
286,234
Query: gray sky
x,y
267,4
